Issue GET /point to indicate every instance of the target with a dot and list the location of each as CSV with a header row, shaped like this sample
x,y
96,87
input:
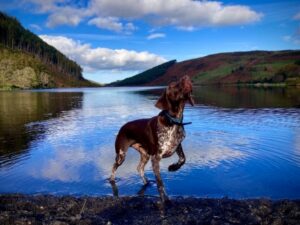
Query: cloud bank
x,y
113,24
115,15
94,59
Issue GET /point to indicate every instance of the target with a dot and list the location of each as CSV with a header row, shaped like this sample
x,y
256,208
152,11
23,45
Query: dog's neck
x,y
177,112
170,118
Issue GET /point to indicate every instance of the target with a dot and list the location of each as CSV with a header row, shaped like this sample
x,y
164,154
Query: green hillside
x,y
237,68
253,68
26,61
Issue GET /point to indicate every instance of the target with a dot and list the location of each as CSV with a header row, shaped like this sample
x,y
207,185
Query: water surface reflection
x,y
242,143
20,109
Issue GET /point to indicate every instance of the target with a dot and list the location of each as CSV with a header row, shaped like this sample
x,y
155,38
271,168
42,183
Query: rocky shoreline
x,y
48,209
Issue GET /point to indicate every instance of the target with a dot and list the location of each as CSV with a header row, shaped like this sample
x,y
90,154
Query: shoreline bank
x,y
49,209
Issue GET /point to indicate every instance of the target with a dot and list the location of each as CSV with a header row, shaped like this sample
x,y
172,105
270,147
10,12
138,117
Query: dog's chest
x,y
168,139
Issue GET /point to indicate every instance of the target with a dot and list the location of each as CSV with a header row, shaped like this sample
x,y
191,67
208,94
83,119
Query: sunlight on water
x,y
61,141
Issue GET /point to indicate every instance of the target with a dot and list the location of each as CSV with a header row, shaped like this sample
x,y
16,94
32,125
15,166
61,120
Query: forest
x,y
14,36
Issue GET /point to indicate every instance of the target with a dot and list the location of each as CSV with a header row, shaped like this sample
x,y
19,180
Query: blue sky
x,y
114,39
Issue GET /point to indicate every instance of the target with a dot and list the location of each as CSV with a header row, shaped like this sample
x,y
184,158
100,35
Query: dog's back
x,y
141,132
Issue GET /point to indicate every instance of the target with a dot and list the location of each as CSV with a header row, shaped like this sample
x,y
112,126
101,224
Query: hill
x,y
26,61
146,76
254,67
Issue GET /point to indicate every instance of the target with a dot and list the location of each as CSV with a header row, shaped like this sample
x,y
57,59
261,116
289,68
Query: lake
x,y
242,143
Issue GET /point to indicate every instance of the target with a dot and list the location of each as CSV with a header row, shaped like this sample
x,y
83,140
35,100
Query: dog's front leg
x,y
155,159
181,160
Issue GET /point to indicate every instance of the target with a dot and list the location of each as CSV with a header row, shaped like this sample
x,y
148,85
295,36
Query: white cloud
x,y
130,27
94,59
35,27
112,23
109,23
183,14
66,16
187,28
180,13
62,12
43,6
156,35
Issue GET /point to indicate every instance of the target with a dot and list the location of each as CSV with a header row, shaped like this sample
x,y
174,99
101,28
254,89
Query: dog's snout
x,y
187,84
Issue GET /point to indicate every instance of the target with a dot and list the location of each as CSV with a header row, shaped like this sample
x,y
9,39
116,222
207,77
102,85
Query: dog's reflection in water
x,y
115,188
141,192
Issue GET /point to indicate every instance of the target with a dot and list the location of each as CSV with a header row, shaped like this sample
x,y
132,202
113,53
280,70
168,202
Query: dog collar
x,y
173,120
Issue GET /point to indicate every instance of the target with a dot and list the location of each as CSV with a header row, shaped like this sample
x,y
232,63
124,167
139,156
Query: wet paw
x,y
173,167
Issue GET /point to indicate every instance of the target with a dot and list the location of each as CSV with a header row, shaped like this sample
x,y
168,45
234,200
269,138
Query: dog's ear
x,y
162,102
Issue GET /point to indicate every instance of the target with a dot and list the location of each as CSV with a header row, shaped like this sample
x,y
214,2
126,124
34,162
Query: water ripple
x,y
65,145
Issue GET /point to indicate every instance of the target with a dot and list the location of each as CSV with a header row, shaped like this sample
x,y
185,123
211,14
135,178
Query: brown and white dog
x,y
158,137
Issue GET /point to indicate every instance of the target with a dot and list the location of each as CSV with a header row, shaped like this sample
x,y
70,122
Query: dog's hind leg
x,y
122,145
141,167
143,161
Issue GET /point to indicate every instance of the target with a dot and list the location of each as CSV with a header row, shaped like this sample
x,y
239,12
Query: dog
x,y
158,137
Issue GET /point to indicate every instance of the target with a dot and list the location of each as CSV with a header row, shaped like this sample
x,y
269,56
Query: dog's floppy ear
x,y
162,102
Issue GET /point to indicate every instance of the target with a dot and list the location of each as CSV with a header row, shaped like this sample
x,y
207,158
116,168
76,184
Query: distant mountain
x,y
254,67
26,61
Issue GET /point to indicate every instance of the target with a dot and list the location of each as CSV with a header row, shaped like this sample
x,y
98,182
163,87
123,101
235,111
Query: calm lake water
x,y
243,142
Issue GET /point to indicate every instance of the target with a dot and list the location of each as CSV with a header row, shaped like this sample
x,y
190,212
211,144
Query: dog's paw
x,y
173,167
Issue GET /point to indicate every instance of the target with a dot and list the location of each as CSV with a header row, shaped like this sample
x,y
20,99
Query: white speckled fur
x,y
169,137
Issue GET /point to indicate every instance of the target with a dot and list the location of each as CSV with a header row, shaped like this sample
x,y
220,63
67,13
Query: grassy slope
x,y
272,67
23,70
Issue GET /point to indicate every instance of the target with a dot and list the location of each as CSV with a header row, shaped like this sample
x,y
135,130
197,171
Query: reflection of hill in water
x,y
20,108
245,97
242,97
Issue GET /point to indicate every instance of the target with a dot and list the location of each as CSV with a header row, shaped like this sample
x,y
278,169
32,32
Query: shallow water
x,y
242,143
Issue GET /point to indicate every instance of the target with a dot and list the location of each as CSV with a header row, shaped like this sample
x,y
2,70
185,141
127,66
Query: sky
x,y
115,39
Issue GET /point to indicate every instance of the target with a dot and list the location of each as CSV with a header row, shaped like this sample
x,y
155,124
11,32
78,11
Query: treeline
x,y
14,36
146,76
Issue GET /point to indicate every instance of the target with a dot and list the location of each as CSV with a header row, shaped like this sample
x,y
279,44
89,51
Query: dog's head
x,y
176,95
